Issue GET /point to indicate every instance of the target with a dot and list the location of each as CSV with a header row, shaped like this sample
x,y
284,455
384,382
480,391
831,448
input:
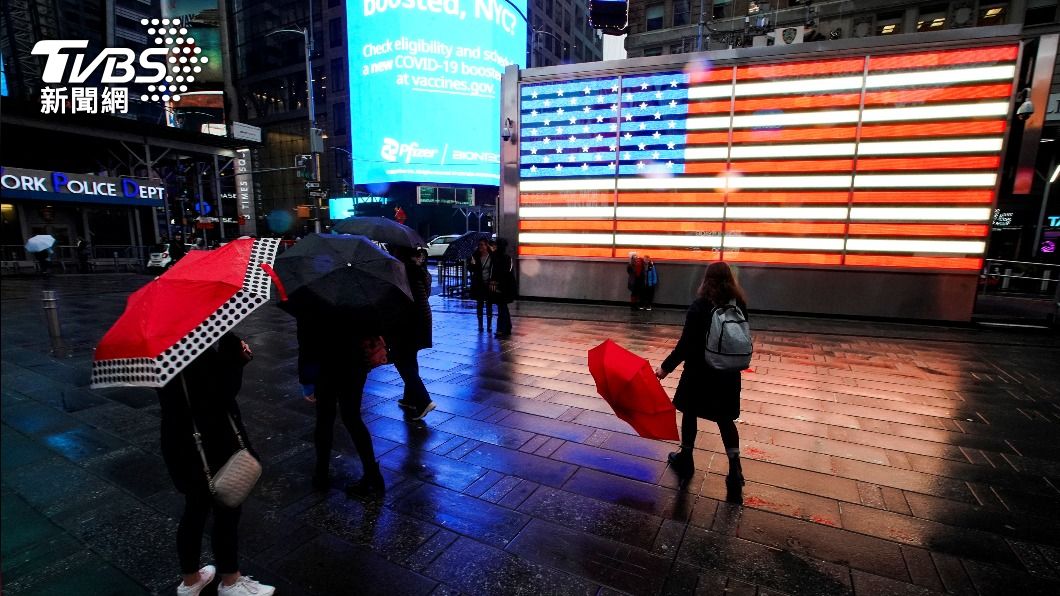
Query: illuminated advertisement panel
x,y
427,76
869,161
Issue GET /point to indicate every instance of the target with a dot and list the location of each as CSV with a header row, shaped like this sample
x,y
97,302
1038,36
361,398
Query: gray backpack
x,y
729,339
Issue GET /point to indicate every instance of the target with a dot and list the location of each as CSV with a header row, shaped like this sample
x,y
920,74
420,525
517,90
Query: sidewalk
x,y
880,459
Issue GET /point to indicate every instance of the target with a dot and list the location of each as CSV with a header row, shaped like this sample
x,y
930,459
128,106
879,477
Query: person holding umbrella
x,y
340,289
704,392
212,382
174,336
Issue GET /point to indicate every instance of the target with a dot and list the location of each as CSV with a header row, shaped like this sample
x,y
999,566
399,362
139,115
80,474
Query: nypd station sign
x,y
42,185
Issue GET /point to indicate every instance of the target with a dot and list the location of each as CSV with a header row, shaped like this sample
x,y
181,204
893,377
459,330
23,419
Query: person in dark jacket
x,y
635,281
479,267
213,380
332,370
704,392
413,332
502,286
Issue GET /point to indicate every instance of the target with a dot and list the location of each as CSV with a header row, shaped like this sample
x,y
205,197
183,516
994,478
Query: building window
x,y
993,15
340,112
889,23
932,18
653,17
681,12
338,74
335,32
720,9
655,51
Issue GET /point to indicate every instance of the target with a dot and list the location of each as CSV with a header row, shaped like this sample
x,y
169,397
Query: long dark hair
x,y
719,286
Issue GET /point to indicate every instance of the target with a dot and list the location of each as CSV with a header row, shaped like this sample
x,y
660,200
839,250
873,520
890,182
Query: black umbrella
x,y
461,248
342,276
382,230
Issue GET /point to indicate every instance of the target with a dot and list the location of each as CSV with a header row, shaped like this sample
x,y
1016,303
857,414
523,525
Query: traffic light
x,y
307,166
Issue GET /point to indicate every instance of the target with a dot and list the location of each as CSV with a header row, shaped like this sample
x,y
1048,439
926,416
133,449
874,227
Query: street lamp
x,y
315,140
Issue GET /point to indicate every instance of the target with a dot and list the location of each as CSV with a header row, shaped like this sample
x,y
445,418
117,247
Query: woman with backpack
x,y
705,391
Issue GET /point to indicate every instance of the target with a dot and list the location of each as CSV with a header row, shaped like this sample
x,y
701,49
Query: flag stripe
x,y
866,161
946,58
970,230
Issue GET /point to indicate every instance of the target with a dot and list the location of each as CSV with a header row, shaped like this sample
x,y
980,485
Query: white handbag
x,y
231,485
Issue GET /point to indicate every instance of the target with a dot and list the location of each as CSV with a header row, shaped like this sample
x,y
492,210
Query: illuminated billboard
x,y
865,161
425,79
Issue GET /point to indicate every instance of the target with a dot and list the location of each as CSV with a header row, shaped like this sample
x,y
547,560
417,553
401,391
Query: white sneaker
x,y
206,575
246,586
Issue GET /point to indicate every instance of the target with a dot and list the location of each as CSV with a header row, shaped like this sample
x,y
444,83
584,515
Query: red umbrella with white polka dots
x,y
172,319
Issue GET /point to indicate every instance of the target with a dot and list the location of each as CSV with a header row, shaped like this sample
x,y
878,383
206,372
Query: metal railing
x,y
68,258
1019,277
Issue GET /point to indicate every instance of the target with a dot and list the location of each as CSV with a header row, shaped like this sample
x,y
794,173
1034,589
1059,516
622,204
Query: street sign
x,y
312,185
318,194
246,132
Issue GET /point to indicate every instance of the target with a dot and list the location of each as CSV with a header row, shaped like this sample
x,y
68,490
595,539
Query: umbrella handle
x,y
276,280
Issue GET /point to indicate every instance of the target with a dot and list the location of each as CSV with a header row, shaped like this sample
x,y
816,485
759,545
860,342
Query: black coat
x,y
327,349
414,327
703,391
213,381
475,263
502,274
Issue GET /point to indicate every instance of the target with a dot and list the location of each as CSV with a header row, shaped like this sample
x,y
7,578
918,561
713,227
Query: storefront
x,y
104,211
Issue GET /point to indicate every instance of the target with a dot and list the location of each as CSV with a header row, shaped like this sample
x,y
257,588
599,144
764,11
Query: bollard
x,y
1006,279
1045,281
51,313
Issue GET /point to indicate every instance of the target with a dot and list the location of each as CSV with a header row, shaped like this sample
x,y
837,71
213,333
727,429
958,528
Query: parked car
x,y
436,247
159,258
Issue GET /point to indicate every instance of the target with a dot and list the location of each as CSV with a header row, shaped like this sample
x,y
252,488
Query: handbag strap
x,y
198,436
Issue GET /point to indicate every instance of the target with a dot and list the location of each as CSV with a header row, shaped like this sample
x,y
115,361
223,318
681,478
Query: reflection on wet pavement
x,y
879,457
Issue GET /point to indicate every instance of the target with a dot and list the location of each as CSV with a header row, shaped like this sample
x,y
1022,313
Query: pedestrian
x,y
332,368
176,248
501,286
201,401
479,267
84,254
635,280
651,280
704,392
44,260
412,332
399,215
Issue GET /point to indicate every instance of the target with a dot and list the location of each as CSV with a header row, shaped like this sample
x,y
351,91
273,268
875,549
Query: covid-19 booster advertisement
x,y
425,87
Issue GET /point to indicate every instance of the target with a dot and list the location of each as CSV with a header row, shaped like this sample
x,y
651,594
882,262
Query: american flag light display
x,y
865,161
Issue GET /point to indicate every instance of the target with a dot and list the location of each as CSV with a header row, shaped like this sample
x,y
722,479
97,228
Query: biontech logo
x,y
394,151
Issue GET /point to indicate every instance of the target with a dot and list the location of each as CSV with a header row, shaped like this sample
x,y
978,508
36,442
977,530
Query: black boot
x,y
370,484
682,463
735,477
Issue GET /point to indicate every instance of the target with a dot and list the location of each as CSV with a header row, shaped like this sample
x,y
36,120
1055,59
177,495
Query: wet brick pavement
x,y
880,458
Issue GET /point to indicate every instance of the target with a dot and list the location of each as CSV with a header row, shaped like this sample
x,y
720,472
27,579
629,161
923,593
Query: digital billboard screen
x,y
426,82
872,161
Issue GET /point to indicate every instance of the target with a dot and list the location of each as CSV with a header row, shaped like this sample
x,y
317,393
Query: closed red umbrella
x,y
172,319
628,383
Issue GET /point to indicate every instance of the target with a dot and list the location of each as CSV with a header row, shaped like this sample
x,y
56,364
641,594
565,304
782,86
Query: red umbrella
x,y
628,383
172,319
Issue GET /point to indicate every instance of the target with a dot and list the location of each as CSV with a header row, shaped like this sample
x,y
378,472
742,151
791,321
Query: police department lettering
x,y
394,151
490,10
